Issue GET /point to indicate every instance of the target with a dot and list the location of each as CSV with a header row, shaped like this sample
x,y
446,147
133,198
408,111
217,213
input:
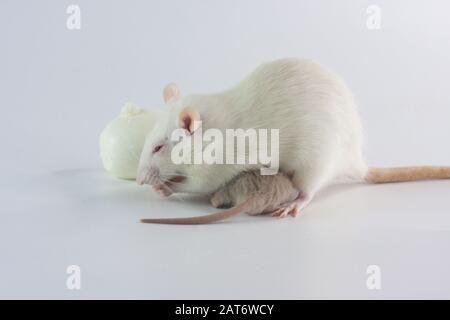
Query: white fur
x,y
320,131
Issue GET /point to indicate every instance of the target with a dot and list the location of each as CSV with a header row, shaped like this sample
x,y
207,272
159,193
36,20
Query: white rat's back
x,y
320,131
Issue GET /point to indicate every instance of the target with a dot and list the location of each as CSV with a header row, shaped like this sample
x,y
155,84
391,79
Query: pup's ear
x,y
189,119
171,91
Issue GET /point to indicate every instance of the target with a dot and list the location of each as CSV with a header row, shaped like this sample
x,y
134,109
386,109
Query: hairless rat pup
x,y
320,134
249,192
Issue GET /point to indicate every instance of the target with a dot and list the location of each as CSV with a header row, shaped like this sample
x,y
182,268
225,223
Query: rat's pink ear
x,y
171,91
189,119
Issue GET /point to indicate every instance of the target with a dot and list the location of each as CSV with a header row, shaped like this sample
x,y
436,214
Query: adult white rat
x,y
320,134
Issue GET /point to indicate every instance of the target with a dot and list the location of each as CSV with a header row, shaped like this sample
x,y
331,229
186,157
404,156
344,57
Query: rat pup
x,y
248,192
320,133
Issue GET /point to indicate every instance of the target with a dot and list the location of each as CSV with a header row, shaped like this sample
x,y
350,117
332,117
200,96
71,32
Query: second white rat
x,y
249,192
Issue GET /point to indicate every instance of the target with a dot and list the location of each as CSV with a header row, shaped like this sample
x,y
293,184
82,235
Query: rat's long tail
x,y
210,218
403,174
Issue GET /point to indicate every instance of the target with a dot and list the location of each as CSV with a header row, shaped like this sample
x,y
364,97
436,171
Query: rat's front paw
x,y
162,190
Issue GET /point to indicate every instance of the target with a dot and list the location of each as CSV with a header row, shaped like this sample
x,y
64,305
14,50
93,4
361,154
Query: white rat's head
x,y
156,167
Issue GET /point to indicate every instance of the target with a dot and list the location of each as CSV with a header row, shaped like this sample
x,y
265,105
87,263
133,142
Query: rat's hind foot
x,y
291,208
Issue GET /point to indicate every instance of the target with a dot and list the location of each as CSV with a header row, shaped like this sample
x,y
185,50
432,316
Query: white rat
x,y
320,134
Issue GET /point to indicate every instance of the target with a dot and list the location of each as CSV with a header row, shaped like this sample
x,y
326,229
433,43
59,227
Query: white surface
x,y
59,208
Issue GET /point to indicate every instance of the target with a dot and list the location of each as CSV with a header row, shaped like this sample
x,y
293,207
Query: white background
x,y
60,87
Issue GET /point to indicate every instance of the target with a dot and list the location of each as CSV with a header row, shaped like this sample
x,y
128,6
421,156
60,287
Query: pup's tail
x,y
210,218
403,174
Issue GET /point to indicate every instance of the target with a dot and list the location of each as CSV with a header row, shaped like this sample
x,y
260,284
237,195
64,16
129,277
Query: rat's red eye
x,y
157,148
